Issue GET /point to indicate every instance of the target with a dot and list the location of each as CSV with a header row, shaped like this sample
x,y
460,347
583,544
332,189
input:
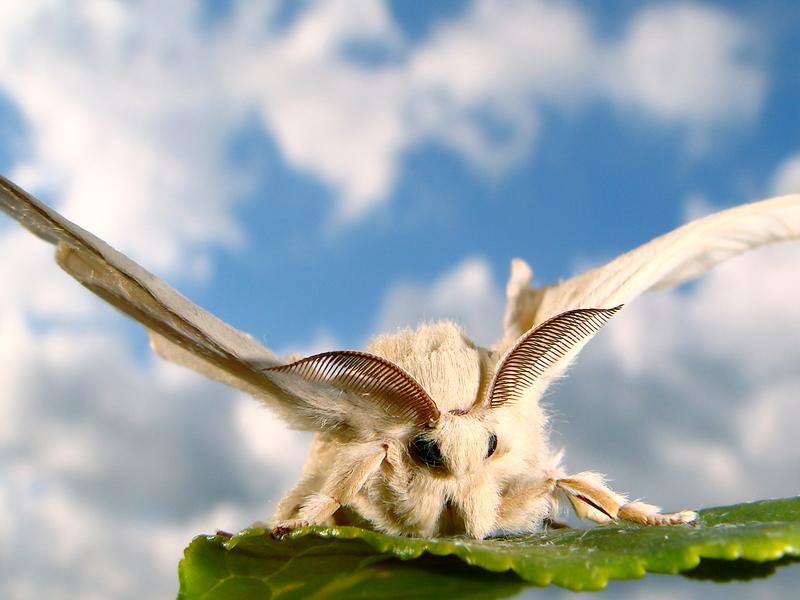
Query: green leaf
x,y
330,562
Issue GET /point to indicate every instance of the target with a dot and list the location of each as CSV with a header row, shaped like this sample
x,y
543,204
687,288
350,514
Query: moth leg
x,y
647,514
347,476
314,470
592,499
292,502
524,506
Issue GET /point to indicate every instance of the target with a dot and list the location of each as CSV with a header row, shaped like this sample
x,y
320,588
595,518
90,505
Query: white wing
x,y
666,261
181,331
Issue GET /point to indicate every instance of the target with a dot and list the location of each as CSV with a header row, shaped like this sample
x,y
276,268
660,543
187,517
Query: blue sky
x,y
316,173
594,182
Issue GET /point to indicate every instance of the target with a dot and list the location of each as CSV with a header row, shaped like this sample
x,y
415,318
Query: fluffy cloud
x,y
687,62
333,118
109,463
122,128
129,110
35,285
786,179
467,294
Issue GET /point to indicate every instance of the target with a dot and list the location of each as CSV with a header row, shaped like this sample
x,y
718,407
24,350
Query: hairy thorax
x,y
451,368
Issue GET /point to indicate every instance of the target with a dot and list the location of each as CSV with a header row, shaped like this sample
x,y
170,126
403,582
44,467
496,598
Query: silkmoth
x,y
424,433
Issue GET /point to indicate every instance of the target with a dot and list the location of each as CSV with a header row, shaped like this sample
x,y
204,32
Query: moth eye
x,y
427,451
492,445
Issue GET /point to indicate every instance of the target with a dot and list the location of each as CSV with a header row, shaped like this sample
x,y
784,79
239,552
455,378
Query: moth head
x,y
460,444
454,372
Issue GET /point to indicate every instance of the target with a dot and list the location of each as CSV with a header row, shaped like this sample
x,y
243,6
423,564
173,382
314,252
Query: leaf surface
x,y
333,562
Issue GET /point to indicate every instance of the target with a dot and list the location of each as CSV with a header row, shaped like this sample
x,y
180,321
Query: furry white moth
x,y
424,433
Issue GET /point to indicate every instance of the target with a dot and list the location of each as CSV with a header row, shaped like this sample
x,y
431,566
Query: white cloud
x,y
786,179
129,109
282,451
34,284
501,49
696,206
768,423
110,466
481,81
321,341
66,548
467,294
688,62
122,127
335,119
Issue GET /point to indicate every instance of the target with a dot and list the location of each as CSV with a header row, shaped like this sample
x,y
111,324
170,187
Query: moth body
x,y
477,471
424,433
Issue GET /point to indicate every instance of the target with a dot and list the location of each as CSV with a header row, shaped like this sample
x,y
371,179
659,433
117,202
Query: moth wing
x,y
666,261
180,331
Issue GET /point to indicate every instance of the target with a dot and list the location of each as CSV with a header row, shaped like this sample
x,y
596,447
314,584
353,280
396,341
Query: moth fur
x,y
424,433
